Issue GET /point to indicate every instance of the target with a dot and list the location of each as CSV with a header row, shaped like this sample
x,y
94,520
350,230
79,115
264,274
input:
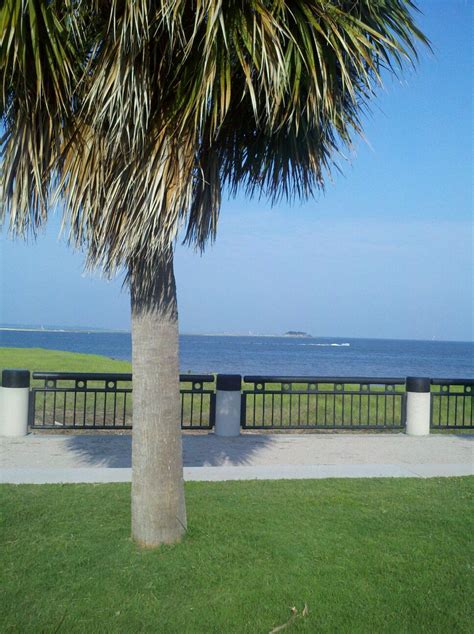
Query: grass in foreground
x,y
364,555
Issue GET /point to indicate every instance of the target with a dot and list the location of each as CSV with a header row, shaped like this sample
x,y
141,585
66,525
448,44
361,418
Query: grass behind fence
x,y
453,408
325,408
289,410
98,407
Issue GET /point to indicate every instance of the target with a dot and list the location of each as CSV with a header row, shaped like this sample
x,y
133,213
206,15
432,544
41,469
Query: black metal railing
x,y
452,403
65,400
270,402
198,401
68,400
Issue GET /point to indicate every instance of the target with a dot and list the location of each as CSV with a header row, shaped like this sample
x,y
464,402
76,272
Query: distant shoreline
x,y
221,334
128,332
70,330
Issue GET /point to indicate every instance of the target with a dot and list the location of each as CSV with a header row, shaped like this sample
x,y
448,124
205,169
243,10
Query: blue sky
x,y
387,251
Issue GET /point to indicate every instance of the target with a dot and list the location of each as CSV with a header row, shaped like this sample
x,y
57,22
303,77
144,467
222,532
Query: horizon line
x,y
80,329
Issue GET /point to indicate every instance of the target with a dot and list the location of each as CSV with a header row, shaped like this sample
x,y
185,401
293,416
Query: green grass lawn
x,y
41,360
379,555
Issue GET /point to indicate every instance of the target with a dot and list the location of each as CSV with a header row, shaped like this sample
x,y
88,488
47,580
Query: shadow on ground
x,y
205,450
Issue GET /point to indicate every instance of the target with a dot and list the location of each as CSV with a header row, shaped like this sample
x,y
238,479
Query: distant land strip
x,y
119,331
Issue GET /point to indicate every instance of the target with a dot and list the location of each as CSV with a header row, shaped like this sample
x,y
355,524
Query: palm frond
x,y
39,71
140,113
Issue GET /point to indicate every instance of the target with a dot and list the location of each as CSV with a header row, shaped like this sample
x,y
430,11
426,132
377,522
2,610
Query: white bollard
x,y
418,406
228,403
14,398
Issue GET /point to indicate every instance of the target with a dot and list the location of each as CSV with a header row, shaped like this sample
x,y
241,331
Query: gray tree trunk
x,y
158,507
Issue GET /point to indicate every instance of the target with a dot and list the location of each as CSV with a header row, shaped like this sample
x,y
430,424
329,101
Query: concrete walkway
x,y
38,458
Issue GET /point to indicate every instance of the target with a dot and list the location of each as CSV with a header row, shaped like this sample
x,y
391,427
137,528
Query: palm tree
x,y
135,116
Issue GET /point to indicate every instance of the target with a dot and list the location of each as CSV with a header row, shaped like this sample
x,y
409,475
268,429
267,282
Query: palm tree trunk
x,y
158,507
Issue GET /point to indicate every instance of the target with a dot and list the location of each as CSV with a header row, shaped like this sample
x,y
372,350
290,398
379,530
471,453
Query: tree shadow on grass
x,y
206,450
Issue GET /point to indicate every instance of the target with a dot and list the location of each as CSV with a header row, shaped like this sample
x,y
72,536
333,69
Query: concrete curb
x,y
217,474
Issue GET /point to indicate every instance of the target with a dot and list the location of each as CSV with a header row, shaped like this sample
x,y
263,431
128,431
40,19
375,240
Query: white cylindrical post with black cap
x,y
14,398
418,391
228,403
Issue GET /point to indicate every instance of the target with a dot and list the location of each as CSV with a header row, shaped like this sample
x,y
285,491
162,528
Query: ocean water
x,y
283,356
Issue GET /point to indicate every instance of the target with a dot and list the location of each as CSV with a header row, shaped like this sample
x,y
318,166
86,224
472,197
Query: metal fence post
x,y
418,391
228,403
14,401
